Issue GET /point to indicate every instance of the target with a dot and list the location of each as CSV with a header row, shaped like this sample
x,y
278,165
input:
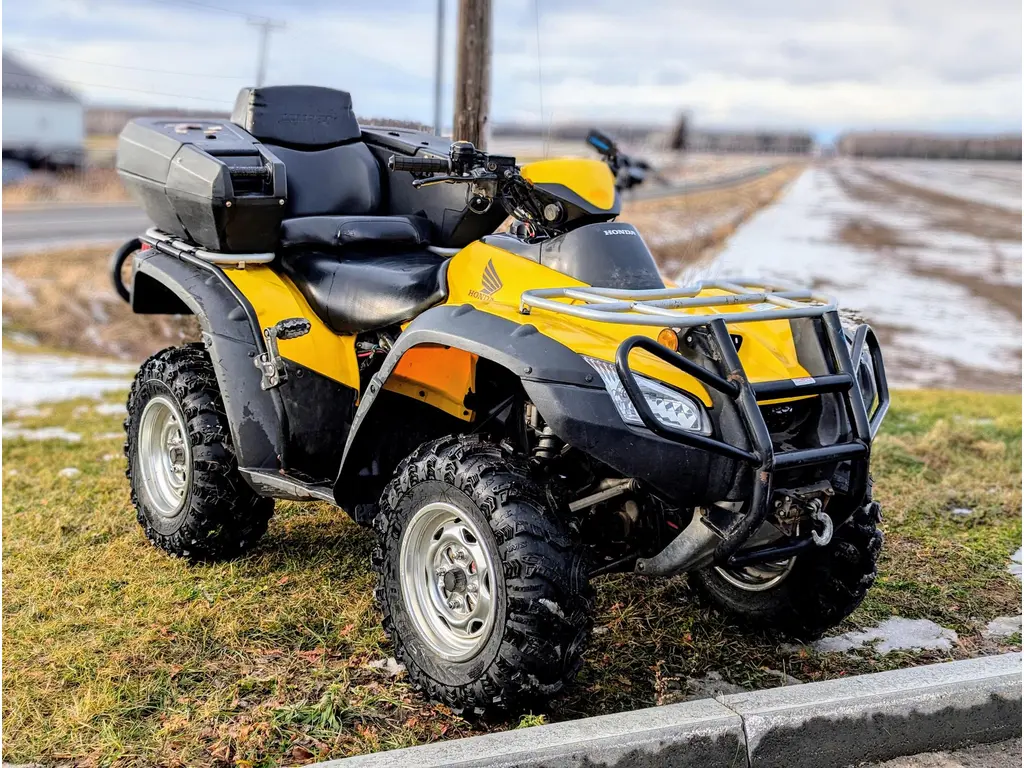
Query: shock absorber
x,y
548,444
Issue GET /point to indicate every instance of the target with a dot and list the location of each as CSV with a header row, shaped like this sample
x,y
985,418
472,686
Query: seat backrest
x,y
314,132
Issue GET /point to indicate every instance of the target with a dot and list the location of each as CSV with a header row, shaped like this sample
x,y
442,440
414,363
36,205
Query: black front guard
x,y
733,383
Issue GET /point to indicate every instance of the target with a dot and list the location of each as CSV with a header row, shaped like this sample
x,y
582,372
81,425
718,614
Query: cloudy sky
x,y
823,65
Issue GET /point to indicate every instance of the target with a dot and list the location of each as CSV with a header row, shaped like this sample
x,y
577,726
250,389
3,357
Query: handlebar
x,y
419,164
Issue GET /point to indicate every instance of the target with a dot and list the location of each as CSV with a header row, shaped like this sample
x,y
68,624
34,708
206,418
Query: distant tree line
x,y
934,146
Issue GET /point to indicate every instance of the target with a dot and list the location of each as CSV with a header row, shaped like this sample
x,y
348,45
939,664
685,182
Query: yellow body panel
x,y
773,357
442,377
590,179
274,298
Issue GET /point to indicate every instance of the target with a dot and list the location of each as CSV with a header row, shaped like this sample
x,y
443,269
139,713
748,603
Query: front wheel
x,y
807,594
484,593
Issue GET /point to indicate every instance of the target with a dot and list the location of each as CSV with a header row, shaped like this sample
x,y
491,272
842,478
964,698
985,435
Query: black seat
x,y
358,270
314,132
341,233
364,292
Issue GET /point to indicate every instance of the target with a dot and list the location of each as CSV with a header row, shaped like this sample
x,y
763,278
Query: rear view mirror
x,y
601,142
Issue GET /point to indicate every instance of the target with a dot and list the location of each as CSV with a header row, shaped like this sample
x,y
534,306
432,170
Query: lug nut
x,y
472,587
460,555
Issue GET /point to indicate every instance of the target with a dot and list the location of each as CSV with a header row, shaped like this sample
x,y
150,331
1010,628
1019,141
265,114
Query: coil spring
x,y
548,444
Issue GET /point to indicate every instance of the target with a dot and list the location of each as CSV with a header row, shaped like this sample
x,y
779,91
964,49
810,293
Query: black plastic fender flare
x,y
520,348
566,390
233,339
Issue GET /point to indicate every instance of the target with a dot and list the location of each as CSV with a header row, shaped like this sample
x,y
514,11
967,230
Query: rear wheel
x,y
483,591
807,594
188,494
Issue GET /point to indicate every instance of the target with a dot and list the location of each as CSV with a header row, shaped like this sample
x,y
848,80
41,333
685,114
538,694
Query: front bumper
x,y
738,394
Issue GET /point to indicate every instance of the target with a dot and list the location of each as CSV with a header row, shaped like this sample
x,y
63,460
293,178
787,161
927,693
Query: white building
x,y
43,122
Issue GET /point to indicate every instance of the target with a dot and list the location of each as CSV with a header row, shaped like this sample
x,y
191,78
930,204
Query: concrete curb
x,y
832,723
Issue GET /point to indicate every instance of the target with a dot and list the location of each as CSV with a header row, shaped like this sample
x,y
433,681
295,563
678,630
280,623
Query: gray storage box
x,y
204,180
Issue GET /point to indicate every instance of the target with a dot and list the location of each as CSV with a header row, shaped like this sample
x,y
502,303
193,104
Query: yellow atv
x,y
514,413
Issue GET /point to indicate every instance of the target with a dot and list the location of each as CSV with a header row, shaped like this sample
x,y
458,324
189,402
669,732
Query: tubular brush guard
x,y
744,396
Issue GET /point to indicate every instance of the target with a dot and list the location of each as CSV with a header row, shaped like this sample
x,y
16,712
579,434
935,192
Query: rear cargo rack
x,y
685,308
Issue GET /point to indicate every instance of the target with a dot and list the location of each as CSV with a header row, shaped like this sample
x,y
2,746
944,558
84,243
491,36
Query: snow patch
x,y
1016,561
552,606
16,291
391,665
909,290
43,433
110,409
31,412
69,472
894,634
30,379
1002,626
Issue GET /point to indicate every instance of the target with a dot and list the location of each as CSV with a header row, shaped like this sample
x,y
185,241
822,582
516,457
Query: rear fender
x,y
163,284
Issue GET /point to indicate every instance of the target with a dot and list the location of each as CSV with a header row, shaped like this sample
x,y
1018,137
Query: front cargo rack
x,y
673,306
685,308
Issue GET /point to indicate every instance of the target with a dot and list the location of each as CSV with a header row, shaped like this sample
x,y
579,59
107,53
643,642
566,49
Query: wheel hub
x,y
164,456
447,581
760,577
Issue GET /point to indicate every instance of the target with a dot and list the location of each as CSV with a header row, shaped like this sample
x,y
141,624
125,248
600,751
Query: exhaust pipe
x,y
692,549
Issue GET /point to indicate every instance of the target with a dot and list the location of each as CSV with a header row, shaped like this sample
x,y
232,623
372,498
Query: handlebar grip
x,y
419,164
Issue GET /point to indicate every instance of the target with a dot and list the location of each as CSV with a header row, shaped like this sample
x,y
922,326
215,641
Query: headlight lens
x,y
671,408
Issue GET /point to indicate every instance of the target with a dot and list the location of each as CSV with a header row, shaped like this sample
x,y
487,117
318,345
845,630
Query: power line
x,y
133,90
216,8
126,66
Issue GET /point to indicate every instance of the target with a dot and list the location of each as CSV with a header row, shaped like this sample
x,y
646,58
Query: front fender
x,y
519,348
563,387
166,284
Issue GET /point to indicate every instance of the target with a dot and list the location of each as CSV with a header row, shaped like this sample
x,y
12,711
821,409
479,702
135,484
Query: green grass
x,y
116,654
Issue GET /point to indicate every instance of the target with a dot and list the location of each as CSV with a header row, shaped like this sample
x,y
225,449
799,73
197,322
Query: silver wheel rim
x,y
165,457
758,578
448,581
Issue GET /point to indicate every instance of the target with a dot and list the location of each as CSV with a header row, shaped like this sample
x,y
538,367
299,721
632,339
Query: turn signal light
x,y
667,338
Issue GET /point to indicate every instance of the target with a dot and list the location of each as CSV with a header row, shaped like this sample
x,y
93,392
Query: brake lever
x,y
439,180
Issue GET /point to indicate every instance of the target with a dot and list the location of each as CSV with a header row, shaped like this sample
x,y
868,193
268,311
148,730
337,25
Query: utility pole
x,y
473,72
266,27
439,68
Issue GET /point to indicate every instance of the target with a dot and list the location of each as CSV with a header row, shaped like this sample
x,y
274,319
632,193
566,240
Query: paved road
x,y
62,225
1004,754
55,226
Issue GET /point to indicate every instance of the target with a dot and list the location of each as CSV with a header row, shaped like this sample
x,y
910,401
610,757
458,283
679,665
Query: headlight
x,y
671,408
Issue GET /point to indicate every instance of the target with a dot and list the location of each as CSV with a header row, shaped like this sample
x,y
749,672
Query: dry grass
x,y
115,654
73,307
96,185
